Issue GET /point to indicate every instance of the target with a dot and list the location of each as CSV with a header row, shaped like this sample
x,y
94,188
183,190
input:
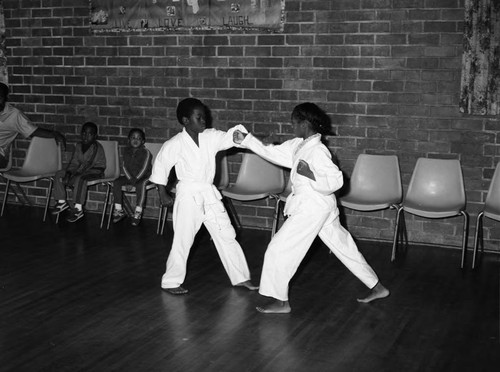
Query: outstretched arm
x,y
45,133
278,154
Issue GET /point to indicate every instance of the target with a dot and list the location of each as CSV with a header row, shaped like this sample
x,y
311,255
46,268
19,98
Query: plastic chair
x,y
111,173
436,190
153,148
491,210
257,179
42,161
375,184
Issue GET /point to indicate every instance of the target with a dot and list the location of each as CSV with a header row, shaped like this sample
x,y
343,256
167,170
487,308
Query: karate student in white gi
x,y
311,209
192,153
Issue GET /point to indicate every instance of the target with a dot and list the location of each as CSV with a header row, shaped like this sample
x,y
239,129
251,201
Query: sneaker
x,y
60,207
75,215
136,218
118,215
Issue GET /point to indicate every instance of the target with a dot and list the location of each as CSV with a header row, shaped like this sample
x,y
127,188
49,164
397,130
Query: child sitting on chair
x,y
136,168
87,163
192,152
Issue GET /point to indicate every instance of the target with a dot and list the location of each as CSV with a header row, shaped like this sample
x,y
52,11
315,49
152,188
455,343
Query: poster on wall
x,y
142,15
3,48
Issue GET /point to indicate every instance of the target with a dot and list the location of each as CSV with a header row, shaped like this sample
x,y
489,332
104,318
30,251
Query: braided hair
x,y
319,120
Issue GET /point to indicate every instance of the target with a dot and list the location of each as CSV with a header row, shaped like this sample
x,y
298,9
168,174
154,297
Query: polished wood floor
x,y
77,298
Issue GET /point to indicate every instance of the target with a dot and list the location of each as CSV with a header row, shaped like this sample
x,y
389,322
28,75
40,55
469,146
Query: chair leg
x,y
478,238
465,238
165,211
111,209
399,211
23,198
276,216
7,185
49,194
160,219
232,211
105,206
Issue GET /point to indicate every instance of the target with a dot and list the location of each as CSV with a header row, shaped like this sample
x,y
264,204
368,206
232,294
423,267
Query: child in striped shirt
x,y
136,169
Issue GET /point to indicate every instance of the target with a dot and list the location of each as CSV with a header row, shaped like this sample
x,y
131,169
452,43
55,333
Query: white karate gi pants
x,y
187,219
291,243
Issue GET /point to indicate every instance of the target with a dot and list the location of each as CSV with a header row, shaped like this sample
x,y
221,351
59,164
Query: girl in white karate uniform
x,y
192,153
311,209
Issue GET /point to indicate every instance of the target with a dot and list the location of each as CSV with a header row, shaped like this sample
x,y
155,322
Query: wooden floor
x,y
77,298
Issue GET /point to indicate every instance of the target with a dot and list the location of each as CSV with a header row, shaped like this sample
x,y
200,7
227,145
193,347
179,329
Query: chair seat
x,y
100,180
20,175
432,210
493,213
366,203
241,193
129,188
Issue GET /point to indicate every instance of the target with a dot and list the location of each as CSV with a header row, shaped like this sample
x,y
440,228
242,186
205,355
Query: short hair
x,y
186,107
137,130
4,89
90,124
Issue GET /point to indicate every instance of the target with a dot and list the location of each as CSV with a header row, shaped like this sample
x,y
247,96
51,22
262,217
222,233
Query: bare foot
x,y
276,307
379,291
176,291
247,284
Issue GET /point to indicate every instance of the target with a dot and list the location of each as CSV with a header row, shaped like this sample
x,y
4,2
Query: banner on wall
x,y
3,48
141,15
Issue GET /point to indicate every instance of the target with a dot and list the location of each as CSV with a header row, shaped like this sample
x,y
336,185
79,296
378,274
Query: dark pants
x,y
79,184
140,190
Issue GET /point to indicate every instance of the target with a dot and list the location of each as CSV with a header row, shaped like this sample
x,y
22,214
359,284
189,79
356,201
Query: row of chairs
x,y
257,178
436,190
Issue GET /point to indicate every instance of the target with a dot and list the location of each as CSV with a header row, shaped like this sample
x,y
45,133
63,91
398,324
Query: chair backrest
x,y
259,175
112,159
221,179
154,149
43,156
492,203
375,179
436,184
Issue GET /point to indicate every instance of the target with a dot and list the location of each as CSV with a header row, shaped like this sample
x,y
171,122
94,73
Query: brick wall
x,y
388,72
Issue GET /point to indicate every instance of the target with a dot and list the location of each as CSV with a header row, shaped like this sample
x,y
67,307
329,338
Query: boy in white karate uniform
x,y
192,152
311,209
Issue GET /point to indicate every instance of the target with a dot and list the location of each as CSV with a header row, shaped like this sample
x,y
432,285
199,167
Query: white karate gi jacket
x,y
198,201
312,210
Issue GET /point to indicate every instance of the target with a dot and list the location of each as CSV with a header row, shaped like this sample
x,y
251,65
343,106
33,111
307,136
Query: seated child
x,y
136,168
88,162
192,152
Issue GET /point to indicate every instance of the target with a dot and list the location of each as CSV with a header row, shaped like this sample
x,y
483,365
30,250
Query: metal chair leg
x,y
111,210
49,194
165,211
276,216
7,185
160,219
105,206
396,234
478,238
465,237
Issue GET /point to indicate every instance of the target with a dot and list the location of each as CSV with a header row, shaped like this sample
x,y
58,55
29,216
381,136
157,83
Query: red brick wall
x,y
388,72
